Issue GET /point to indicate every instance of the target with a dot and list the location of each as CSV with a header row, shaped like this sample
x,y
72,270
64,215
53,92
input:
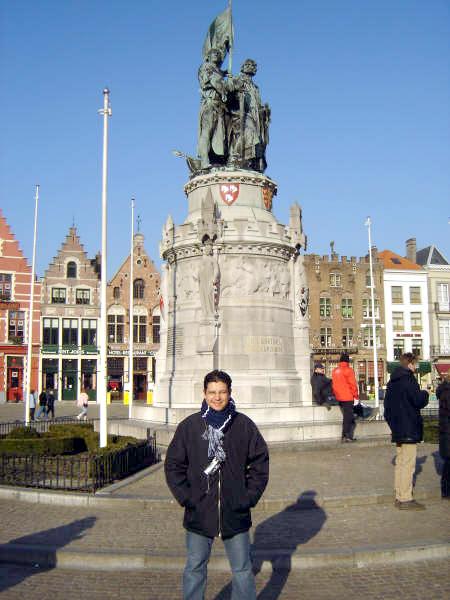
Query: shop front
x,y
69,373
50,374
14,378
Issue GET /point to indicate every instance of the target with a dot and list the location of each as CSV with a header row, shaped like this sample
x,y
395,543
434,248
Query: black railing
x,y
42,426
84,474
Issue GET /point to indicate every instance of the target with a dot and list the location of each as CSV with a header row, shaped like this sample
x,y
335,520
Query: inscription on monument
x,y
263,344
175,342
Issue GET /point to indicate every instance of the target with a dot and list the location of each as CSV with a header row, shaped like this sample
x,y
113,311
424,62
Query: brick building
x,y
146,323
70,310
341,316
15,288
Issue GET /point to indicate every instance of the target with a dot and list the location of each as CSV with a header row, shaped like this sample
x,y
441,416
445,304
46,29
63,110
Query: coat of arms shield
x,y
229,192
267,195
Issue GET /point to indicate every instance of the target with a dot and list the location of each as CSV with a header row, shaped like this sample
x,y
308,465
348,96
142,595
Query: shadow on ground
x,y
54,539
277,538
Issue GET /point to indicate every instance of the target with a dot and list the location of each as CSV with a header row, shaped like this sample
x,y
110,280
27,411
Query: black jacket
x,y
443,395
402,405
321,388
220,506
43,398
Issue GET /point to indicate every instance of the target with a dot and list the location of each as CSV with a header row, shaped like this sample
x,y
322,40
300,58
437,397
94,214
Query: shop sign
x,y
126,352
4,305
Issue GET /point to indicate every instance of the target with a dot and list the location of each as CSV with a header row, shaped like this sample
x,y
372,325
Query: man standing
x,y
217,467
345,391
42,404
321,386
402,405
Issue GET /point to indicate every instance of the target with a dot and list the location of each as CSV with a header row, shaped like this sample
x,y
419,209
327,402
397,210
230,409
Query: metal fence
x,y
44,425
87,473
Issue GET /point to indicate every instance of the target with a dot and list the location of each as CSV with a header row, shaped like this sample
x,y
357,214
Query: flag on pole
x,y
162,308
220,34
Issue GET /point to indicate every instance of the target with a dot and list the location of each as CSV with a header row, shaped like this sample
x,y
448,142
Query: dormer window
x,y
71,270
335,280
138,289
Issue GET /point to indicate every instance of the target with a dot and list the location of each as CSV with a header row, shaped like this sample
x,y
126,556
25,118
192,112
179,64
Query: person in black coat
x,y
322,391
217,468
443,395
402,404
50,403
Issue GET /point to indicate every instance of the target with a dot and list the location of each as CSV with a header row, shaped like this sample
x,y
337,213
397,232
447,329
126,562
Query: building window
x,y
83,297
115,329
71,270
16,326
347,308
88,332
414,295
416,321
347,337
58,295
368,337
138,289
50,332
325,307
442,296
397,321
139,328
335,280
399,348
116,292
417,347
397,294
368,279
325,337
444,335
5,286
367,308
70,332
156,325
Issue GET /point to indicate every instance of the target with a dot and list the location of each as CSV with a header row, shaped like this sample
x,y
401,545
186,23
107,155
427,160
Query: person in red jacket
x,y
345,391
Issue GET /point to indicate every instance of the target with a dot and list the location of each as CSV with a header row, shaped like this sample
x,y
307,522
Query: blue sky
x,y
360,97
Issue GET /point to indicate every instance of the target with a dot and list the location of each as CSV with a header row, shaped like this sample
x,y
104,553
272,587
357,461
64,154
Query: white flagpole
x,y
374,326
101,383
131,340
230,53
30,314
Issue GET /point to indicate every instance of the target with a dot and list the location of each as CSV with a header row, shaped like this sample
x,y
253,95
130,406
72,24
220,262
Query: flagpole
x,y
131,340
230,52
101,383
374,326
30,314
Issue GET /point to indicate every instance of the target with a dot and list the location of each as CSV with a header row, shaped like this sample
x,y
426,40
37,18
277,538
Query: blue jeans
x,y
195,572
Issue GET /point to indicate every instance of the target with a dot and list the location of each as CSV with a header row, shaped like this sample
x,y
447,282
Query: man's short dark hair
x,y
344,357
408,358
217,376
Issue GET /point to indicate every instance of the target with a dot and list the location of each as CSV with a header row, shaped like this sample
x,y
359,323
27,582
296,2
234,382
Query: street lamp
x,y
368,224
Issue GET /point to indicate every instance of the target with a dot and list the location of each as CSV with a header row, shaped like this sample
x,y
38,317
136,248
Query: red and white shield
x,y
229,192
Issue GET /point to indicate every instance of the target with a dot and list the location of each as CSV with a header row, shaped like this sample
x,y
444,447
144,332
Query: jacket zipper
x,y
218,506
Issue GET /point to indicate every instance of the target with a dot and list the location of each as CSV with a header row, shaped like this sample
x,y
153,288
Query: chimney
x,y
411,249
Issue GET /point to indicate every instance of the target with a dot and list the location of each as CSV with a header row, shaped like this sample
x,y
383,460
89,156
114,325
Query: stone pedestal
x,y
235,298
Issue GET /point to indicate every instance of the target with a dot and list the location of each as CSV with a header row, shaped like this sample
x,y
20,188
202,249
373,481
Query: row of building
x,y
412,312
66,317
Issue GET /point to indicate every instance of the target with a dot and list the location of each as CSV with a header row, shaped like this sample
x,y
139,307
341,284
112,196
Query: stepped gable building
x,y
406,315
341,316
437,268
70,307
15,289
146,323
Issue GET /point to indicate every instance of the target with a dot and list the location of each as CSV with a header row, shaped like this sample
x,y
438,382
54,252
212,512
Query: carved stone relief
x,y
243,276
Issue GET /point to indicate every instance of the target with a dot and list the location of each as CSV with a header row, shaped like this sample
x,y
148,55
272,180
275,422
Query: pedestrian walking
x,y
217,467
402,405
42,410
443,395
83,403
345,391
321,386
50,403
33,401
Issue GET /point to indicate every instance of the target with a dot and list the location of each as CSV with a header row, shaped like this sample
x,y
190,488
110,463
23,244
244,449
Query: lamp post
x,y
374,327
30,314
101,383
131,340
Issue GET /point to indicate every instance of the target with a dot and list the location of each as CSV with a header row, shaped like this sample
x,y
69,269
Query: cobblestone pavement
x,y
343,471
160,531
412,582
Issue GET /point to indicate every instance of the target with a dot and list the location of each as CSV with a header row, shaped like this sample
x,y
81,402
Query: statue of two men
x,y
233,124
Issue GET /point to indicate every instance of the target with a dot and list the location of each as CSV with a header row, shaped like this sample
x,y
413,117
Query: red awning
x,y
442,368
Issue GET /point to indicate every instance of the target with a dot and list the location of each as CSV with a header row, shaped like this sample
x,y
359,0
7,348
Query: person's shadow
x,y
438,462
277,538
420,461
45,544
